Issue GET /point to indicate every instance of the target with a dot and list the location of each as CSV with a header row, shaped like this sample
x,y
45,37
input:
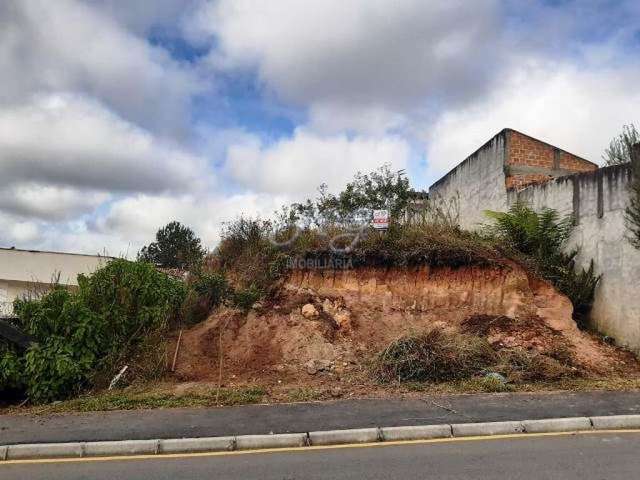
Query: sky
x,y
118,116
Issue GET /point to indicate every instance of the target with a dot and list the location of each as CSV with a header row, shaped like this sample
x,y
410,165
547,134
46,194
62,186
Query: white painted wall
x,y
25,272
478,183
616,308
600,233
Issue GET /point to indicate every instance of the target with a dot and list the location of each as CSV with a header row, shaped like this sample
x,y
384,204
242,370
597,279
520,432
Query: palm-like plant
x,y
542,237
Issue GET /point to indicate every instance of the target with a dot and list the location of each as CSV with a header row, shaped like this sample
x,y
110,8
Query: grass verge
x,y
137,400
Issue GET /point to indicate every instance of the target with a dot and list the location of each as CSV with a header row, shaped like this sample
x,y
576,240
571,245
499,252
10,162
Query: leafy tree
x,y
380,189
176,246
620,148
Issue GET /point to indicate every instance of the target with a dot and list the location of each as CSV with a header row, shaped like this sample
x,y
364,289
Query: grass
x,y
129,400
136,400
482,385
440,356
435,356
304,394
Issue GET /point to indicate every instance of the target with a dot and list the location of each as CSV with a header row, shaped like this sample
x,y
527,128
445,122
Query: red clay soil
x,y
326,324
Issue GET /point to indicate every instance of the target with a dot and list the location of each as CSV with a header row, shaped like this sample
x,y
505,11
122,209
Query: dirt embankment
x,y
333,323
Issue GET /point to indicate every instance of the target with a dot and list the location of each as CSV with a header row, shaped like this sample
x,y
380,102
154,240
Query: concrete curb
x,y
323,438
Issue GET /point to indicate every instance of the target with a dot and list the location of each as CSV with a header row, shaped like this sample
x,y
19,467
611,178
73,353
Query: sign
x,y
381,219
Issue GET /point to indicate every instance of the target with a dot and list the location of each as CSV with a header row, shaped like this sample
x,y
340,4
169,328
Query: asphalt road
x,y
580,457
305,417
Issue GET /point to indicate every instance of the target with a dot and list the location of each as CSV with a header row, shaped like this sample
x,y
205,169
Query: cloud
x,y
71,140
66,45
48,202
576,108
17,232
136,219
298,165
370,54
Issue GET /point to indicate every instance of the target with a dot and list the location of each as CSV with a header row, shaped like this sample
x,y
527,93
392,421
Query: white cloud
x,y
575,108
49,202
362,54
68,140
65,45
17,232
136,219
298,165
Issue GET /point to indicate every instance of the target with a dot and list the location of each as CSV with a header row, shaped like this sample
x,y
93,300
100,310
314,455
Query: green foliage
x,y
92,330
247,256
380,189
176,246
542,238
132,298
11,367
206,292
537,234
620,148
245,298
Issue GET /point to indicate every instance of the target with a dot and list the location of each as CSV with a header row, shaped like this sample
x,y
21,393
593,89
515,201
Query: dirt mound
x,y
337,321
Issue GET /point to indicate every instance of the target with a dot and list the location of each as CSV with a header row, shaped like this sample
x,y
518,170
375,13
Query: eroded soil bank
x,y
324,328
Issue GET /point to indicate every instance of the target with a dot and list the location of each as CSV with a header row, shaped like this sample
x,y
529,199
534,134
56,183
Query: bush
x,y
244,299
247,256
434,356
206,291
437,356
542,238
83,334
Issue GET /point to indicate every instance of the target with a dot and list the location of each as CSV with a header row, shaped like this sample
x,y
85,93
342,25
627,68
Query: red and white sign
x,y
381,219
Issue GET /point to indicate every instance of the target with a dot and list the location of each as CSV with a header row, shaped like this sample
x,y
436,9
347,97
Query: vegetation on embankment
x,y
122,314
539,241
83,337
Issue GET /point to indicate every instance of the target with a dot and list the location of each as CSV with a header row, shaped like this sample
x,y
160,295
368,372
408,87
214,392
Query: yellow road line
x,y
513,436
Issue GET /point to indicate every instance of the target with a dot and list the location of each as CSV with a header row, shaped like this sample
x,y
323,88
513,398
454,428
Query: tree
x,y
380,189
619,150
176,246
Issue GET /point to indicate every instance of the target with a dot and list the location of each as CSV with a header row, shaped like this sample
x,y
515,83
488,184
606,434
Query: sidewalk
x,y
305,417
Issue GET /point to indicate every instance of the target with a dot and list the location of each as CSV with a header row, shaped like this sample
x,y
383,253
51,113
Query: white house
x,y
28,272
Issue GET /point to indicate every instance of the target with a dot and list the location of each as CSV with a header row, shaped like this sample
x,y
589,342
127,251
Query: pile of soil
x,y
326,327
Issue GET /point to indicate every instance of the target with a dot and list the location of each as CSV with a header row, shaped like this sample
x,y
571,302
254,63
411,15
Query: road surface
x,y
589,456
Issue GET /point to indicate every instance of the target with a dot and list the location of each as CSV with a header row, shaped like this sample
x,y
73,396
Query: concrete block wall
x,y
477,184
598,201
513,166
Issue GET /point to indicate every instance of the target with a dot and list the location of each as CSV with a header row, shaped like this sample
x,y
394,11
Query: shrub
x,y
244,299
247,256
82,334
542,238
434,356
11,368
206,291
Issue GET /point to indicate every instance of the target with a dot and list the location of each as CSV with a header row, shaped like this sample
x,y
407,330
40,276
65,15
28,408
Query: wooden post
x,y
175,355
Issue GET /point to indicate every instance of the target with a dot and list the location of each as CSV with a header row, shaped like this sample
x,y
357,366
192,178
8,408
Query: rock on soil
x,y
335,322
